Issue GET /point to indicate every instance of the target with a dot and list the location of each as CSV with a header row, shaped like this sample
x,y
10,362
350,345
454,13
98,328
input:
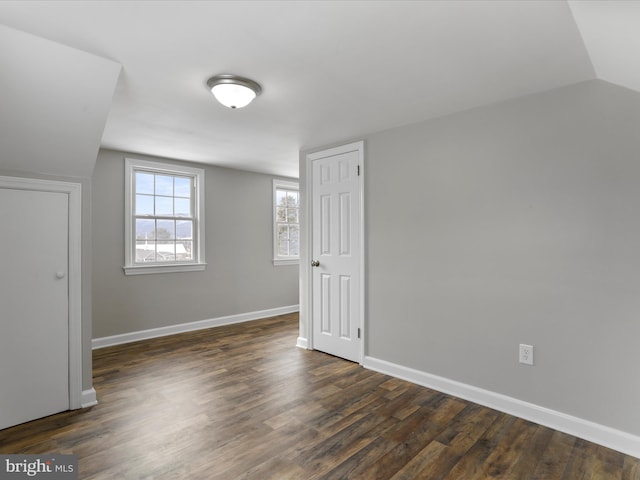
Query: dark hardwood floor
x,y
242,402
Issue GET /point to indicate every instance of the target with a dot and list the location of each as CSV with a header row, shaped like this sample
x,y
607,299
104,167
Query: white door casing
x,y
40,348
337,248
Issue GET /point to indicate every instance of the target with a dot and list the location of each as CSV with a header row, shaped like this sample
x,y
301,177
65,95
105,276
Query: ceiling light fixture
x,y
233,91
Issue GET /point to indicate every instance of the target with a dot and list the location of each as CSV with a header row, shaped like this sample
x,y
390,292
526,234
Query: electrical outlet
x,y
526,354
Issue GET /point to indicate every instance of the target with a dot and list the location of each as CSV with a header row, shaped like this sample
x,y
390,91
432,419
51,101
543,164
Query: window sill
x,y
173,268
278,262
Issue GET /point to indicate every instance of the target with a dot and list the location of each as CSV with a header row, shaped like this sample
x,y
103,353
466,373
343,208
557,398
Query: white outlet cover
x,y
526,354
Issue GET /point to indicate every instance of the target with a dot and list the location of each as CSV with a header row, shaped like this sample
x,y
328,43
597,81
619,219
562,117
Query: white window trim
x,y
278,260
130,268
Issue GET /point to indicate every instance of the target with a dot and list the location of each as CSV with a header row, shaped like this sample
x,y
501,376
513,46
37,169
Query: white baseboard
x,y
606,436
89,398
189,327
302,343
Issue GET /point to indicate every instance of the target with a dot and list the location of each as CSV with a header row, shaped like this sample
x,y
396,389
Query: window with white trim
x,y
286,222
164,215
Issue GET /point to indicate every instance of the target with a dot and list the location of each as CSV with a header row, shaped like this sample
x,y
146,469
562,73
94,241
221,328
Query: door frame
x,y
305,260
74,276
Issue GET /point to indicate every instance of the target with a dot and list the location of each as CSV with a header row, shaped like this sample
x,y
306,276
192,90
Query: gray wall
x,y
514,223
517,223
239,278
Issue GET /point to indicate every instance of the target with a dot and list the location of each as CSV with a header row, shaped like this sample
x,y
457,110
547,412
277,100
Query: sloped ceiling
x,y
611,32
55,103
330,70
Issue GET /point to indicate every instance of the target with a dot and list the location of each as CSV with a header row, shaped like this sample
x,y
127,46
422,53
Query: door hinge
x,y
358,170
358,332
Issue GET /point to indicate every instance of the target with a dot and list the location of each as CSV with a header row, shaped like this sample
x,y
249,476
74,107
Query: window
x,y
286,223
164,213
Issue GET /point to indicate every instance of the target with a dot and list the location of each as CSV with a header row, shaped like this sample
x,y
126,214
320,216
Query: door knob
x,y
315,263
59,275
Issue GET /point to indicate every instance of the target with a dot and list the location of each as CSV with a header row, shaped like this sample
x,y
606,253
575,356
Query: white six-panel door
x,y
335,253
34,300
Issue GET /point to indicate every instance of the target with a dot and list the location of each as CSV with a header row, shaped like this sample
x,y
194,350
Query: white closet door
x,y
336,254
34,305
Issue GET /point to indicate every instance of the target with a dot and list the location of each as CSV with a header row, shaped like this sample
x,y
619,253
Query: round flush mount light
x,y
233,91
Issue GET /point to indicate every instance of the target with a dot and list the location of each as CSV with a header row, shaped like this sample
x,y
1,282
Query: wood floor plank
x,y
531,452
555,458
327,455
419,466
354,466
631,469
506,455
591,462
471,465
242,402
410,436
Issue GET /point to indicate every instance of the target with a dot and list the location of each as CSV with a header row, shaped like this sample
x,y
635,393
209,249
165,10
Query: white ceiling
x,y
330,70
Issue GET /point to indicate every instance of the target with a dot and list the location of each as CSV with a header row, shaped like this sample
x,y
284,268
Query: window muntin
x,y
286,222
165,225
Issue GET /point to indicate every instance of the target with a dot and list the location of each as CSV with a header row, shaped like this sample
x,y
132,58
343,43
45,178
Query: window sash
x,y
164,258
173,253
285,216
